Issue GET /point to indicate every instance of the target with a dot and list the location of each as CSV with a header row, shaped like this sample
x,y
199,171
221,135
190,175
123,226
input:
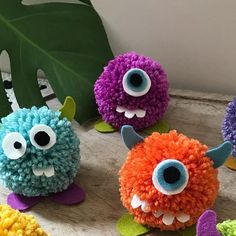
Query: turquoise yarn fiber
x,y
63,156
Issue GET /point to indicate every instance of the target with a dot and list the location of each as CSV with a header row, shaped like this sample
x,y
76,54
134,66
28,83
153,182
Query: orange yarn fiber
x,y
135,177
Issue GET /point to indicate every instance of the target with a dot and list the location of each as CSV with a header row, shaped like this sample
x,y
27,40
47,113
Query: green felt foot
x,y
190,231
126,226
160,127
102,127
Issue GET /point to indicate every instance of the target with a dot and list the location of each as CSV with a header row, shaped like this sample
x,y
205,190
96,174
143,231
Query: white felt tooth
x,y
168,219
158,213
37,171
49,171
145,207
183,218
129,114
140,113
120,109
136,202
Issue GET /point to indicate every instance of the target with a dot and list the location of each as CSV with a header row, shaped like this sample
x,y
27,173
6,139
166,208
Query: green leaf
x,y
86,2
5,106
126,226
103,127
161,127
67,41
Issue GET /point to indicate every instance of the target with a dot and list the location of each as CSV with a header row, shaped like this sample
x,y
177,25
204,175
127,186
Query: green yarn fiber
x,y
227,228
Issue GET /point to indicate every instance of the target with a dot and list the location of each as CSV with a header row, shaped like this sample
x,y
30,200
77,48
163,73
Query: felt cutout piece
x,y
170,177
130,137
206,225
22,203
126,226
68,109
73,195
161,126
231,163
136,82
14,145
47,171
190,231
103,127
219,154
42,137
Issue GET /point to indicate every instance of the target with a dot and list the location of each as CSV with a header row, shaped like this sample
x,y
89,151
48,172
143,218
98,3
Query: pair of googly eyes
x,y
41,136
170,177
136,82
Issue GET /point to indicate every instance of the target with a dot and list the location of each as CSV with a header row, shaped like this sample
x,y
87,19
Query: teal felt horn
x,y
130,137
219,154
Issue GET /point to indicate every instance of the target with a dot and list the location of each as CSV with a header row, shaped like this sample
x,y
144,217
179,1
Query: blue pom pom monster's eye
x,y
136,82
170,177
42,137
14,145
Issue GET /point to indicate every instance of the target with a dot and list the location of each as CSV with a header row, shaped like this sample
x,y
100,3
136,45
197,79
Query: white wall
x,y
195,40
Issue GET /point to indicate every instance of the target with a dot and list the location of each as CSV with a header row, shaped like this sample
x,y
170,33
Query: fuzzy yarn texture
x,y
229,125
135,177
14,223
17,175
227,228
109,92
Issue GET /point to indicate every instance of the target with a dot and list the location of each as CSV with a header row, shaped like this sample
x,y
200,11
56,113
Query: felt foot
x,y
206,225
161,127
126,226
231,163
102,127
73,195
22,203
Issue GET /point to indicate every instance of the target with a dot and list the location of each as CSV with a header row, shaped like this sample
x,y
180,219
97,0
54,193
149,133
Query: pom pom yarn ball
x,y
229,125
39,152
133,89
167,181
13,222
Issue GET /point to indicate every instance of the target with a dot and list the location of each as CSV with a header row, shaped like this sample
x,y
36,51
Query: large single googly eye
x,y
14,145
136,82
170,177
42,137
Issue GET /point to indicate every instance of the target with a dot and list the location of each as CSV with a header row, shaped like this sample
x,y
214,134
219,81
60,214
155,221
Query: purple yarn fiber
x,y
109,92
229,125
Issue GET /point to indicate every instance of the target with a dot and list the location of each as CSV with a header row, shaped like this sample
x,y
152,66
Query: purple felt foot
x,y
22,203
73,195
206,225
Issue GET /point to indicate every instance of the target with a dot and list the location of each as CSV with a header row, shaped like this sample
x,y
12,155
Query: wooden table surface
x,y
198,115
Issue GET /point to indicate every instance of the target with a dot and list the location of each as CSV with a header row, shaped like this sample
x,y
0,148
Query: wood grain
x,y
198,115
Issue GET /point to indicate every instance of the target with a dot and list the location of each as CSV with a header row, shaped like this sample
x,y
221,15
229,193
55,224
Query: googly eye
x,y
42,137
14,145
136,82
170,177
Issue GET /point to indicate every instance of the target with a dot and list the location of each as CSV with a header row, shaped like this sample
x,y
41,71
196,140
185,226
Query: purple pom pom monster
x,y
132,90
229,125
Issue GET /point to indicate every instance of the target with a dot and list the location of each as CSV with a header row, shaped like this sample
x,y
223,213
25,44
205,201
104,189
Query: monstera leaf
x,y
67,41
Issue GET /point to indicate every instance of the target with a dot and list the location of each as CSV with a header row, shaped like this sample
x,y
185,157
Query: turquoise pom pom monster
x,y
39,156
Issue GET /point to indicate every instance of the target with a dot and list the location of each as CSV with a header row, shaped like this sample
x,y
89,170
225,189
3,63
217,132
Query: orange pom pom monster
x,y
169,180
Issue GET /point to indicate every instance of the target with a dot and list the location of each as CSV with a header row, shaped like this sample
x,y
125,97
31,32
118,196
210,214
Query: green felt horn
x,y
68,109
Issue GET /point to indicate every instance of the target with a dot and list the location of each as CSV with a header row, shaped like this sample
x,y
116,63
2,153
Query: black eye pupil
x,y
17,145
136,79
42,138
171,175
